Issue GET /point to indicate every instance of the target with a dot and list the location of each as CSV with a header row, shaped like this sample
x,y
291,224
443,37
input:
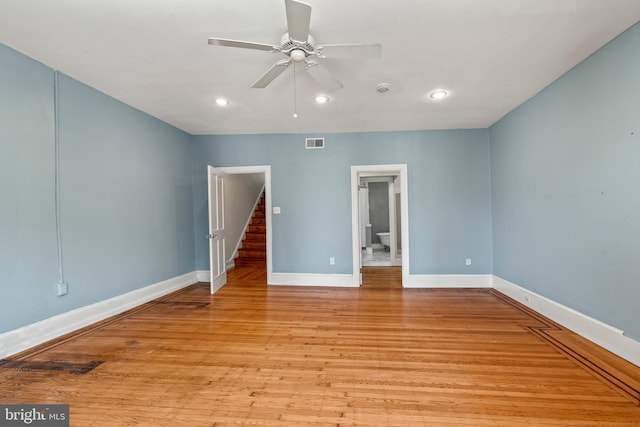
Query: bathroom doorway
x,y
379,217
380,220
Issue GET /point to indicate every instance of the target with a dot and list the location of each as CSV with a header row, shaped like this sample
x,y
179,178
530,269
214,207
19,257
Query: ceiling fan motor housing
x,y
295,50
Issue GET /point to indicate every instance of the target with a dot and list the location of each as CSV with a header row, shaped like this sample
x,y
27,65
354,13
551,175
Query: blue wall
x,y
566,188
27,223
126,199
448,185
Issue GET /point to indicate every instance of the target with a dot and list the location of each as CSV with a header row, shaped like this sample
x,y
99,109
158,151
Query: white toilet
x,y
385,238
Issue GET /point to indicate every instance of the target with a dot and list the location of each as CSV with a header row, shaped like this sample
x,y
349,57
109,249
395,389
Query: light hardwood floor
x,y
295,356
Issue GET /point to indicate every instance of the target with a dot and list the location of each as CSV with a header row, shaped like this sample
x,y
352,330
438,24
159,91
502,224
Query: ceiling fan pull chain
x,y
295,94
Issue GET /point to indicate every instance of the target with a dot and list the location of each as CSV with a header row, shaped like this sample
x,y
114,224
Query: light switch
x,y
276,210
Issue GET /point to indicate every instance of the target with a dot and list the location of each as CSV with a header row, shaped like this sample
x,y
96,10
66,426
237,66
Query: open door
x,y
217,263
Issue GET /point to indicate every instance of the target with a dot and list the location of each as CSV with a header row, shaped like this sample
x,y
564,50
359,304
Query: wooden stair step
x,y
257,227
253,235
248,262
254,244
252,253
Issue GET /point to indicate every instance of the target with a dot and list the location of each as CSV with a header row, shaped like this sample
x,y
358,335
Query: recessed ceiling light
x,y
222,102
322,99
438,94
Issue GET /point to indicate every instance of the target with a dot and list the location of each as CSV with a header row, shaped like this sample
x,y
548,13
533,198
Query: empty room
x,y
322,213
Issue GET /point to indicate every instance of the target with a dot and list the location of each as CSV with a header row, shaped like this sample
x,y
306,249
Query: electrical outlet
x,y
468,261
332,261
63,288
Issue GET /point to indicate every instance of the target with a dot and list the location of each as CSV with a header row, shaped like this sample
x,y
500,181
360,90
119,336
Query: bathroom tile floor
x,y
379,257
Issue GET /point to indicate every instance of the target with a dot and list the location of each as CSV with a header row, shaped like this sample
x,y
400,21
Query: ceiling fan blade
x,y
298,20
245,45
323,76
272,73
350,51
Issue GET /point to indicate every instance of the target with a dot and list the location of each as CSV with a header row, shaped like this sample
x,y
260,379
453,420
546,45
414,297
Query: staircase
x,y
253,252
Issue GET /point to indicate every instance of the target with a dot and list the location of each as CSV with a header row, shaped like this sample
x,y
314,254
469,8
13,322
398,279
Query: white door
x,y
217,258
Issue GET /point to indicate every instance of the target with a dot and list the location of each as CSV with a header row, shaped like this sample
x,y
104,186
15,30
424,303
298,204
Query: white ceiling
x,y
491,55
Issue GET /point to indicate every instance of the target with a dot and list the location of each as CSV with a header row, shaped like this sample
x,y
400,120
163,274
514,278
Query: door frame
x,y
266,169
358,171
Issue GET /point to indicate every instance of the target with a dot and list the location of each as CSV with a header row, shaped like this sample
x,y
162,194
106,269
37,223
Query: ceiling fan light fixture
x,y
222,102
438,94
322,99
298,55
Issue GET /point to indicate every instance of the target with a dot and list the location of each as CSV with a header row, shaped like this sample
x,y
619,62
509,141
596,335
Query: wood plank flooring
x,y
379,355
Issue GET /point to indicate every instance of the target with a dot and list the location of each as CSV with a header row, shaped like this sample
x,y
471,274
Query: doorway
x,y
380,220
373,245
266,171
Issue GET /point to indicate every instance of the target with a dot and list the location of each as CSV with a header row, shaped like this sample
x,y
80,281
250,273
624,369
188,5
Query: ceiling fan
x,y
299,46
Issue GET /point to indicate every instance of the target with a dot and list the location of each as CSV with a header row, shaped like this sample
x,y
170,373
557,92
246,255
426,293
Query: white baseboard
x,y
414,280
203,276
604,335
306,279
298,279
20,339
448,281
347,280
